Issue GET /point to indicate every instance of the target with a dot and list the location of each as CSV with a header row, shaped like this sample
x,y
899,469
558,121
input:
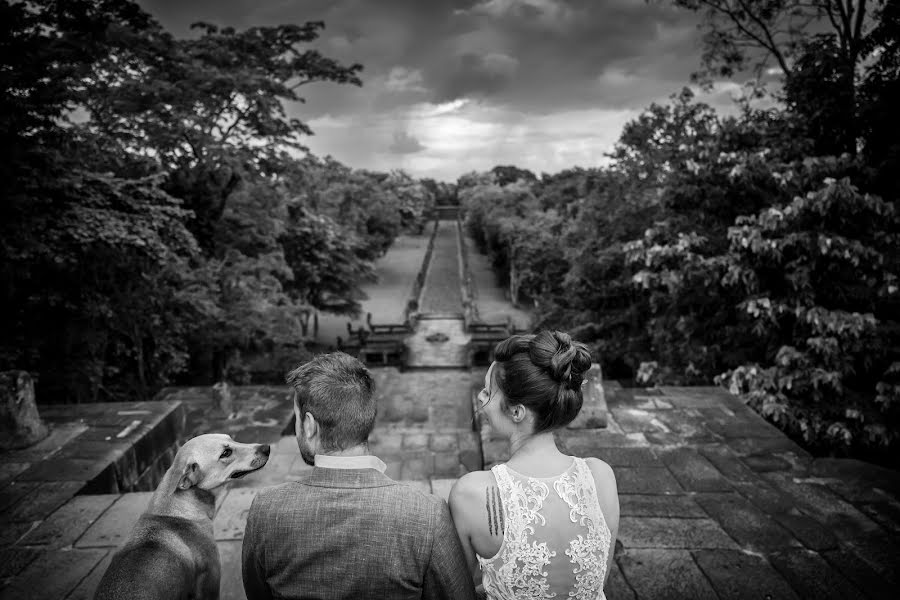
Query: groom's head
x,y
334,404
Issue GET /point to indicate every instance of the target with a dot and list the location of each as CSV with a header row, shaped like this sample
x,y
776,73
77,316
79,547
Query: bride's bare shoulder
x,y
473,484
602,472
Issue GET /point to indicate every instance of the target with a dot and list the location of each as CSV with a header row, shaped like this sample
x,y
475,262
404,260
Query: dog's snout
x,y
264,449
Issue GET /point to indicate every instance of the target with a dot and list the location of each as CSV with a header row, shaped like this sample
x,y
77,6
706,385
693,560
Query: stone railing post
x,y
20,423
594,411
221,398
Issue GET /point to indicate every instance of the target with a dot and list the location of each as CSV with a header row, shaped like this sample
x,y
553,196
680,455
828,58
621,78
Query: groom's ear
x,y
310,427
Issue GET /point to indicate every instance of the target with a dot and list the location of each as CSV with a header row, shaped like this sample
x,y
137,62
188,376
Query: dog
x,y
171,552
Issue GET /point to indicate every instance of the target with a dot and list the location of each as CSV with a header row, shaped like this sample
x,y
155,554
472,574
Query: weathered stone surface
x,y
748,446
839,516
20,423
88,586
646,480
444,442
15,491
415,441
10,533
749,526
783,509
886,514
616,587
812,577
846,560
114,525
657,505
765,464
68,568
45,499
738,575
625,457
69,522
13,560
655,532
694,472
231,585
728,463
231,518
664,575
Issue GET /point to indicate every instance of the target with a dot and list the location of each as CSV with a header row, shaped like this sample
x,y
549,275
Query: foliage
x,y
149,232
820,288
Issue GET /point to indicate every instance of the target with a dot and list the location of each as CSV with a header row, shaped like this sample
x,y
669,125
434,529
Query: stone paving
x,y
441,292
715,502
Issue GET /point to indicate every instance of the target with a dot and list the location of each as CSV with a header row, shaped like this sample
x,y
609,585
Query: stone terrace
x,y
715,502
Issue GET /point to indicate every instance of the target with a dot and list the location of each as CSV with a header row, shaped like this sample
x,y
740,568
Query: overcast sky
x,y
451,86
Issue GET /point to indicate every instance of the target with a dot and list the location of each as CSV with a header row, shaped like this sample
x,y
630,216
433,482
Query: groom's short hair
x,y
339,392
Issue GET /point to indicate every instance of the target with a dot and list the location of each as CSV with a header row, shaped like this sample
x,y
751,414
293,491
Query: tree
x,y
817,47
210,109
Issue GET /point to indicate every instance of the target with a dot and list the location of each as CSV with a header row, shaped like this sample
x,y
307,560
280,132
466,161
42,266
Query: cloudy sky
x,y
451,86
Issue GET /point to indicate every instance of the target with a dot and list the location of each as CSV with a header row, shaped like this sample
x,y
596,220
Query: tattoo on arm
x,y
494,508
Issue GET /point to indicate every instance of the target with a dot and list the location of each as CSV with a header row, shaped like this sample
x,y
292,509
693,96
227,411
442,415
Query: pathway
x,y
396,272
493,305
441,292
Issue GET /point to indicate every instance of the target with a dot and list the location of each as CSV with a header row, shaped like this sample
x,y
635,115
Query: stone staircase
x,y
438,341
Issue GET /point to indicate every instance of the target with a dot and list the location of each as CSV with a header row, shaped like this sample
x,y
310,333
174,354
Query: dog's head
x,y
213,459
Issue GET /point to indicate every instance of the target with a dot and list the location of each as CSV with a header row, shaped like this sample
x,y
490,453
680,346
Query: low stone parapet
x,y
594,412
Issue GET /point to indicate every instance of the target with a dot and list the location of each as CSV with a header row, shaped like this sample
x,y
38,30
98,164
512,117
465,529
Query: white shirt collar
x,y
367,461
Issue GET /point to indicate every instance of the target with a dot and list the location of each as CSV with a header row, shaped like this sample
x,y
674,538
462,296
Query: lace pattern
x,y
519,569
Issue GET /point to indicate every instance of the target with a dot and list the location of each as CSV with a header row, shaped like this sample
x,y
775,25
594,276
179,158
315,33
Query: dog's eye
x,y
226,453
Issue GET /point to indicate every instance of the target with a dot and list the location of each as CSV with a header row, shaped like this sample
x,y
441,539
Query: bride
x,y
543,524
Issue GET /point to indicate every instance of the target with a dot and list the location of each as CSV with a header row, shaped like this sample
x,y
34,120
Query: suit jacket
x,y
351,533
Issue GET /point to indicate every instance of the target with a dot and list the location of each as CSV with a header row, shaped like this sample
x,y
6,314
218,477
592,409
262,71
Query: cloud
x,y
404,143
477,76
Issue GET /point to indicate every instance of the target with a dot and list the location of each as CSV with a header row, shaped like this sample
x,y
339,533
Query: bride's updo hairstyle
x,y
543,372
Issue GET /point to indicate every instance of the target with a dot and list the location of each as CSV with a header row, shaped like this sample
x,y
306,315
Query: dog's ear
x,y
190,477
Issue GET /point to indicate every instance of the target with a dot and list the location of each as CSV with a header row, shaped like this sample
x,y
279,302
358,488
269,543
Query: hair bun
x,y
565,360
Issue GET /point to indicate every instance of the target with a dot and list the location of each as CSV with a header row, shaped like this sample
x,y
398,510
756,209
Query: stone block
x,y
624,457
646,480
860,573
812,577
15,491
446,464
616,587
738,575
115,524
670,506
840,517
665,575
231,584
20,424
420,468
693,471
444,442
593,413
13,560
231,518
44,500
70,521
55,574
728,463
88,586
750,527
659,532
415,441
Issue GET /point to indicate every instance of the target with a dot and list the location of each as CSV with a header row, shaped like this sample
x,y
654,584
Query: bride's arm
x,y
608,497
465,514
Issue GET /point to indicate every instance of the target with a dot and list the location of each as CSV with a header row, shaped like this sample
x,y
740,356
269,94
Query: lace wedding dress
x,y
556,541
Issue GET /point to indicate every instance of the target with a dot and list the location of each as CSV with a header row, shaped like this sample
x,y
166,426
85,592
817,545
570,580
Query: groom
x,y
346,530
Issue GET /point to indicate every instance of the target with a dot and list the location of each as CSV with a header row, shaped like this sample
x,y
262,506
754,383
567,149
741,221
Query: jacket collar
x,y
346,478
